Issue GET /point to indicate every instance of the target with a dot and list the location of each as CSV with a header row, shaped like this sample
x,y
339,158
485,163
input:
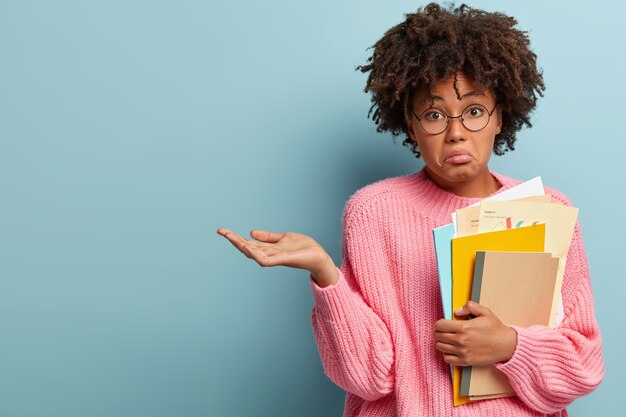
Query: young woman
x,y
459,83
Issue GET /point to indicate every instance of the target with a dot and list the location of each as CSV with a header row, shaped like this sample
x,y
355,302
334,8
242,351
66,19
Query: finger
x,y
450,338
225,232
265,236
237,241
462,311
472,308
251,252
446,348
285,258
266,250
233,238
268,258
453,359
449,326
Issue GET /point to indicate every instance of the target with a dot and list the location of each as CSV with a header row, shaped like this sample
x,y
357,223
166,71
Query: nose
x,y
456,131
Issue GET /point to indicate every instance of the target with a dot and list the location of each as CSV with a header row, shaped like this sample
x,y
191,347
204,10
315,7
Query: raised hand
x,y
290,249
481,340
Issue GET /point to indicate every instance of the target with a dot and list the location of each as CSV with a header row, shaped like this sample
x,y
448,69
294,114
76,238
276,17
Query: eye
x,y
473,112
433,115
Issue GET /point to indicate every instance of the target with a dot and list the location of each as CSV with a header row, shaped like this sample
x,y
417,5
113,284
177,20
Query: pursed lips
x,y
458,157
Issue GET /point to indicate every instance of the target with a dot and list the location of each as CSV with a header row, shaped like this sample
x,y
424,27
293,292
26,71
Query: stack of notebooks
x,y
508,254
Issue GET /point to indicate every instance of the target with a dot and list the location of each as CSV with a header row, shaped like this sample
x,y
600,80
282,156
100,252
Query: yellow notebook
x,y
523,239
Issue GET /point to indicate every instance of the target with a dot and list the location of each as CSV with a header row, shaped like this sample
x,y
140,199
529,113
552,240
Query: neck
x,y
481,186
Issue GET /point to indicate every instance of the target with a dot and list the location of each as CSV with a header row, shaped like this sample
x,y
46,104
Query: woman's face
x,y
456,155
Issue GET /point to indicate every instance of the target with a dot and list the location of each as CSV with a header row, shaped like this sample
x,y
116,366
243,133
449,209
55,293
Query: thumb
x,y
471,308
265,236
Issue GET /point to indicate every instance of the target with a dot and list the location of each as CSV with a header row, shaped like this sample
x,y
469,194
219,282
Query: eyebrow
x,y
466,95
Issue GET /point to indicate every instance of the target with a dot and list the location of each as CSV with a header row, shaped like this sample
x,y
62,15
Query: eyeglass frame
x,y
455,117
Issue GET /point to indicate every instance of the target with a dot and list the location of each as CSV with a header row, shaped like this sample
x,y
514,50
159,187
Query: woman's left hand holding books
x,y
481,340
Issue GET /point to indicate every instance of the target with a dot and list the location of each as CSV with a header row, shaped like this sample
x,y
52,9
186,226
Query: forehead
x,y
456,87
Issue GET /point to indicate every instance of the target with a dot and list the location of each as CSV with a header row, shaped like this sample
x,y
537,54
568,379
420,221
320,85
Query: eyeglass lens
x,y
475,117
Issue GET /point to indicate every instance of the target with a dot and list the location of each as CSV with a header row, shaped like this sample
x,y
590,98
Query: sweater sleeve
x,y
551,367
354,343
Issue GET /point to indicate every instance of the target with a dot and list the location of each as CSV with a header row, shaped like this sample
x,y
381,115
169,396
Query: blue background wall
x,y
131,130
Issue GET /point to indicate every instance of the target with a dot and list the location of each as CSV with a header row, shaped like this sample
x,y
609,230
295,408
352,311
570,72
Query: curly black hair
x,y
436,43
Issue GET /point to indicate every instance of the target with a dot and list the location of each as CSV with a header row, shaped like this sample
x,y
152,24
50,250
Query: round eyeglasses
x,y
475,117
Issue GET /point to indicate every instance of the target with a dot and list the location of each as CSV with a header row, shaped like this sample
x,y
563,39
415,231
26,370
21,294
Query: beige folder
x,y
519,288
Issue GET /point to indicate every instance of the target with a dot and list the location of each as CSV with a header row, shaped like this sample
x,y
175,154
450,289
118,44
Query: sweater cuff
x,y
333,300
524,359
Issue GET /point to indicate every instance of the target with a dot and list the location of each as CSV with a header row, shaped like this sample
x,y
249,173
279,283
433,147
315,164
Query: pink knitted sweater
x,y
374,327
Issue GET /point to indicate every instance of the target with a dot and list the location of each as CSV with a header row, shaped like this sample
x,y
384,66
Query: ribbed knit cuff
x,y
524,359
332,300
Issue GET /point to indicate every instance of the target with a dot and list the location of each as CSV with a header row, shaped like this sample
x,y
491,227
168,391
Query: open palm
x,y
287,249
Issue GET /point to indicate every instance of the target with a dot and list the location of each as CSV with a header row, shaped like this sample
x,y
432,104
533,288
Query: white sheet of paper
x,y
533,186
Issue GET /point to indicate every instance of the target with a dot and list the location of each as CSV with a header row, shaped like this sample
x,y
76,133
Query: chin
x,y
462,173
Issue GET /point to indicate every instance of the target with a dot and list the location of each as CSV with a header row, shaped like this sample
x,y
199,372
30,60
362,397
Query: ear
x,y
499,125
411,125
